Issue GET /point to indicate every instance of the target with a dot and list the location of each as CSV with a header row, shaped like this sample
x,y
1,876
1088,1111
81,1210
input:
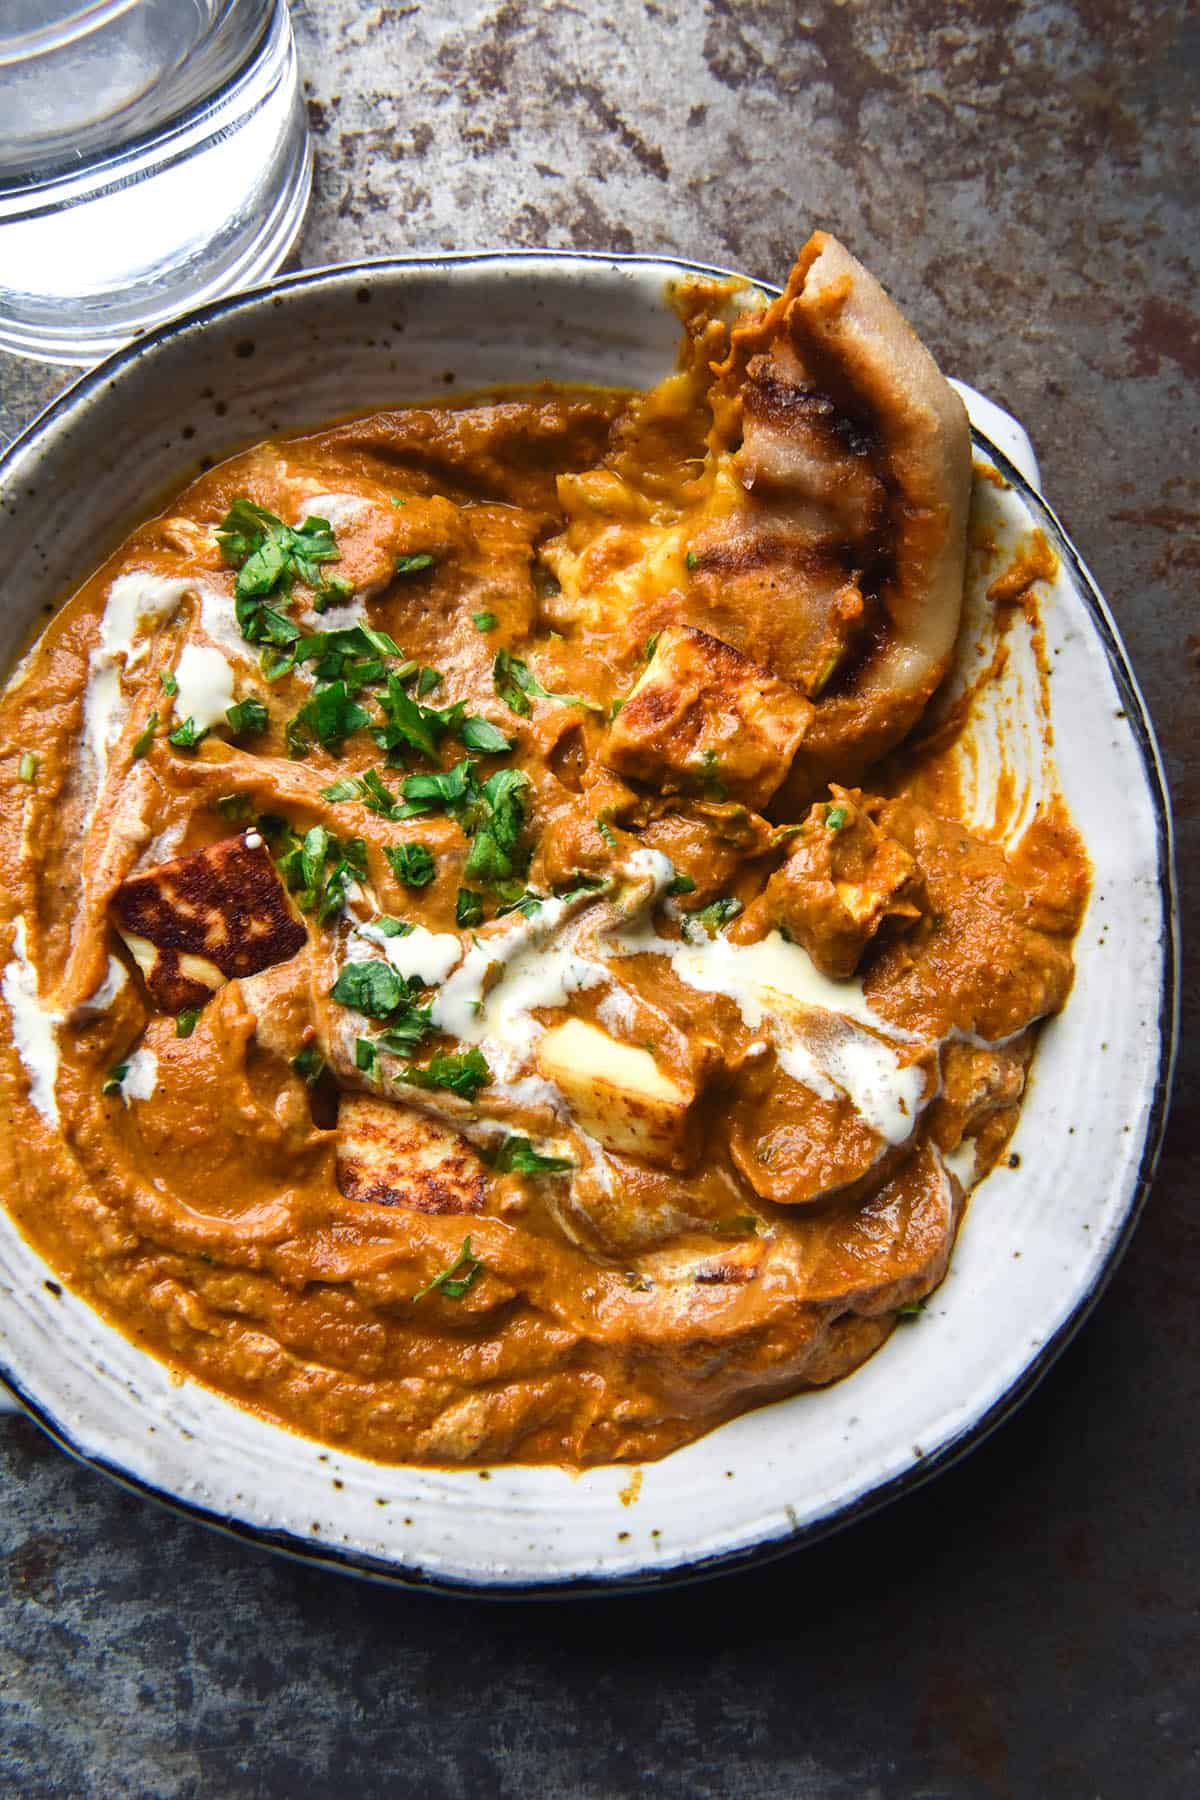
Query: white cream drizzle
x,y
99,1002
429,955
963,1162
141,1076
134,600
205,686
34,1028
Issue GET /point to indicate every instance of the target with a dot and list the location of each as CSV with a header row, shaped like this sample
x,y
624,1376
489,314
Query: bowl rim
x,y
398,1574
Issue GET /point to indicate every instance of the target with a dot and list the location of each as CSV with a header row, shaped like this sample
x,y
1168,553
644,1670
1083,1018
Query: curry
x,y
487,975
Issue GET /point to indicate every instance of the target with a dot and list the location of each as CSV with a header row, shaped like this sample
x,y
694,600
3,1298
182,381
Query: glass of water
x,y
154,154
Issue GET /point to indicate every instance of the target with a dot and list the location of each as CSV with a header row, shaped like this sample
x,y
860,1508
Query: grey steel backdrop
x,y
1024,177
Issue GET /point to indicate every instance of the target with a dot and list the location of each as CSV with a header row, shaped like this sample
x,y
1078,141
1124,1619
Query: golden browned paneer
x,y
395,1156
618,1093
842,879
207,918
706,719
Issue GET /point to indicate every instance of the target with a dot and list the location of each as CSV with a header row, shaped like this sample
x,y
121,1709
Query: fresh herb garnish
x,y
518,1156
414,564
365,1055
502,812
269,557
458,1279
606,832
710,919
309,1064
912,1309
468,908
394,927
329,718
373,988
681,884
691,559
303,863
114,1080
169,684
186,1021
484,621
144,738
427,680
515,681
27,768
650,646
409,725
444,791
835,817
247,716
480,734
463,1074
412,864
187,735
234,807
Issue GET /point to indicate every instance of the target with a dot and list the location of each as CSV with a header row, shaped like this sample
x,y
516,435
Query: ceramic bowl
x,y
1038,1241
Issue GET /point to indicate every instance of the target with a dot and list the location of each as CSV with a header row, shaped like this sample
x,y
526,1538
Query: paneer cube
x,y
842,879
201,920
395,1156
704,719
618,1093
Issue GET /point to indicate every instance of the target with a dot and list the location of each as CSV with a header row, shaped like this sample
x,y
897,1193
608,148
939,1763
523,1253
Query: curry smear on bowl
x,y
493,966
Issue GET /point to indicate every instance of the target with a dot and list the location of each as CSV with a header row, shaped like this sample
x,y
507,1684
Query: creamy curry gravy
x,y
539,1021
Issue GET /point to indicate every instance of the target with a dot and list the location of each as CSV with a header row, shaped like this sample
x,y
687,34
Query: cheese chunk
x,y
395,1156
618,1093
705,719
201,920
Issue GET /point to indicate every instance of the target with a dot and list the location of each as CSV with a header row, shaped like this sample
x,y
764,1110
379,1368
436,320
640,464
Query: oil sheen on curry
x,y
479,983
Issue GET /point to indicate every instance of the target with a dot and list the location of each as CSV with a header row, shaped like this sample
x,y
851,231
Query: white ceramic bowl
x,y
1038,1242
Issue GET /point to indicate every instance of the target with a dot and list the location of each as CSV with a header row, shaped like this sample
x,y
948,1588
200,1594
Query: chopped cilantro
x,y
835,817
517,1154
410,725
27,768
373,988
309,1063
458,1278
234,807
691,559
711,918
365,1055
303,861
115,1078
496,853
468,908
445,790
515,681
480,734
427,680
412,864
169,684
912,1309
413,565
651,645
407,1029
144,738
345,789
463,1074
186,1021
526,905
270,555
187,735
681,884
607,833
249,715
484,621
394,927
329,718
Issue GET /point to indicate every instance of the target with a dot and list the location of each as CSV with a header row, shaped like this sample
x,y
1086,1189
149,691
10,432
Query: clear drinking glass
x,y
153,155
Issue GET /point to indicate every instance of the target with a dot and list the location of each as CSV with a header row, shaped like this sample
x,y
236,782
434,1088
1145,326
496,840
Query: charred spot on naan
x,y
393,1155
206,918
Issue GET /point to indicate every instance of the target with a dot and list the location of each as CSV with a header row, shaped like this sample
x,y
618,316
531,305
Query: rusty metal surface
x,y
1024,177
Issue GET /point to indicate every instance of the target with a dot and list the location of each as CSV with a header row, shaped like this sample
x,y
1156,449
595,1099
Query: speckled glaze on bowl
x,y
1038,1242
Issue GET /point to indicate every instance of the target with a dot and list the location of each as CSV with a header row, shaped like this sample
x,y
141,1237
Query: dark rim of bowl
x,y
400,1575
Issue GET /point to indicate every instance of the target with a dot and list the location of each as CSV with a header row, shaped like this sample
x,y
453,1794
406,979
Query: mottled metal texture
x,y
1024,176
